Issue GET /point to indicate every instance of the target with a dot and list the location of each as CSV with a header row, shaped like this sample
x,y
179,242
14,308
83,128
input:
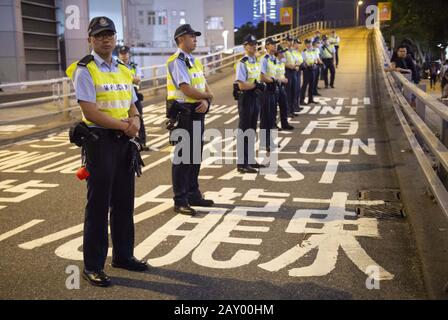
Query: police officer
x,y
104,91
298,58
335,41
292,76
317,36
268,100
189,98
248,87
282,82
309,65
125,57
327,54
319,66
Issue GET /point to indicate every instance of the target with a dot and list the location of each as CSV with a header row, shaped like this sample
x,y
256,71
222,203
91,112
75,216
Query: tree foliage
x,y
423,21
258,30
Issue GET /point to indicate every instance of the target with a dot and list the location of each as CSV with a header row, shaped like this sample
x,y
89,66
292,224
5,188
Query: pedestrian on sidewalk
x,y
433,73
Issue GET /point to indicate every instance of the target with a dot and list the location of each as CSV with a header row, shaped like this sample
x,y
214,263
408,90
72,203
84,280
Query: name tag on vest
x,y
115,87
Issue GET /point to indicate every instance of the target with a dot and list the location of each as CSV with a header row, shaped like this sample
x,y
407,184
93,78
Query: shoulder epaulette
x,y
86,60
266,56
182,57
244,59
122,63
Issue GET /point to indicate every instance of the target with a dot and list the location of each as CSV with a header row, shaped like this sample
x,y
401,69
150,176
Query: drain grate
x,y
385,211
391,209
391,195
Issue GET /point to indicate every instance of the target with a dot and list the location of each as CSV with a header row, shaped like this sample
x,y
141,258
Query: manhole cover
x,y
384,211
390,195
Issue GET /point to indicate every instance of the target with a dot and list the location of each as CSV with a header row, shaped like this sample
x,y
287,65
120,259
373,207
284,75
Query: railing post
x,y
155,82
66,99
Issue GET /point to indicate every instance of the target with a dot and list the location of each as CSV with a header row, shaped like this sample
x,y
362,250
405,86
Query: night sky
x,y
243,11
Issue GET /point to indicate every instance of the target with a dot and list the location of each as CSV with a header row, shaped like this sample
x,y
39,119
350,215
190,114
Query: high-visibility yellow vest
x,y
334,40
113,89
309,57
327,54
290,59
298,59
281,69
253,69
196,73
271,70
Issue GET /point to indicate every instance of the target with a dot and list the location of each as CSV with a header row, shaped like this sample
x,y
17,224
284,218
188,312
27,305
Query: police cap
x,y
100,24
185,29
249,39
271,41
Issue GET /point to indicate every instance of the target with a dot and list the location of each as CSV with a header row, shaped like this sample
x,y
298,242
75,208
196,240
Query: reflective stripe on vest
x,y
271,69
197,78
113,90
297,57
334,40
290,59
327,53
310,57
280,74
253,71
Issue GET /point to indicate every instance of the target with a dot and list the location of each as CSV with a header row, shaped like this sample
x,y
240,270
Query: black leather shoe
x,y
312,102
145,148
247,169
288,127
201,202
132,265
257,165
292,115
332,87
96,278
185,210
303,103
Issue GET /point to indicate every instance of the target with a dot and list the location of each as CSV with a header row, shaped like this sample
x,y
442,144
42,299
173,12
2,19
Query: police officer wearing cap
x,y
319,66
292,76
335,40
188,100
327,54
298,59
268,100
248,88
124,55
104,91
282,82
309,65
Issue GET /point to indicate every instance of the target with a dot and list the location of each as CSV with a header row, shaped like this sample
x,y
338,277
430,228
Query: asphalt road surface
x,y
322,226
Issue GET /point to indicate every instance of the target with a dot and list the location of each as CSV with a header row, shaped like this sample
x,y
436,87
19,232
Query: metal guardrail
x,y
410,104
62,88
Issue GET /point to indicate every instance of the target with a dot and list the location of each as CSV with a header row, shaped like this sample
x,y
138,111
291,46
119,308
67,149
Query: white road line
x,y
231,120
26,226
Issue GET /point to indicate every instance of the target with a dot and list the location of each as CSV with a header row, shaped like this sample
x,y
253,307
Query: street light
x,y
225,34
265,22
359,3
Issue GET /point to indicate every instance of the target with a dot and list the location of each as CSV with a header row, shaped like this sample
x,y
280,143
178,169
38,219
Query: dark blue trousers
x,y
185,174
248,110
292,89
308,80
268,111
110,188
